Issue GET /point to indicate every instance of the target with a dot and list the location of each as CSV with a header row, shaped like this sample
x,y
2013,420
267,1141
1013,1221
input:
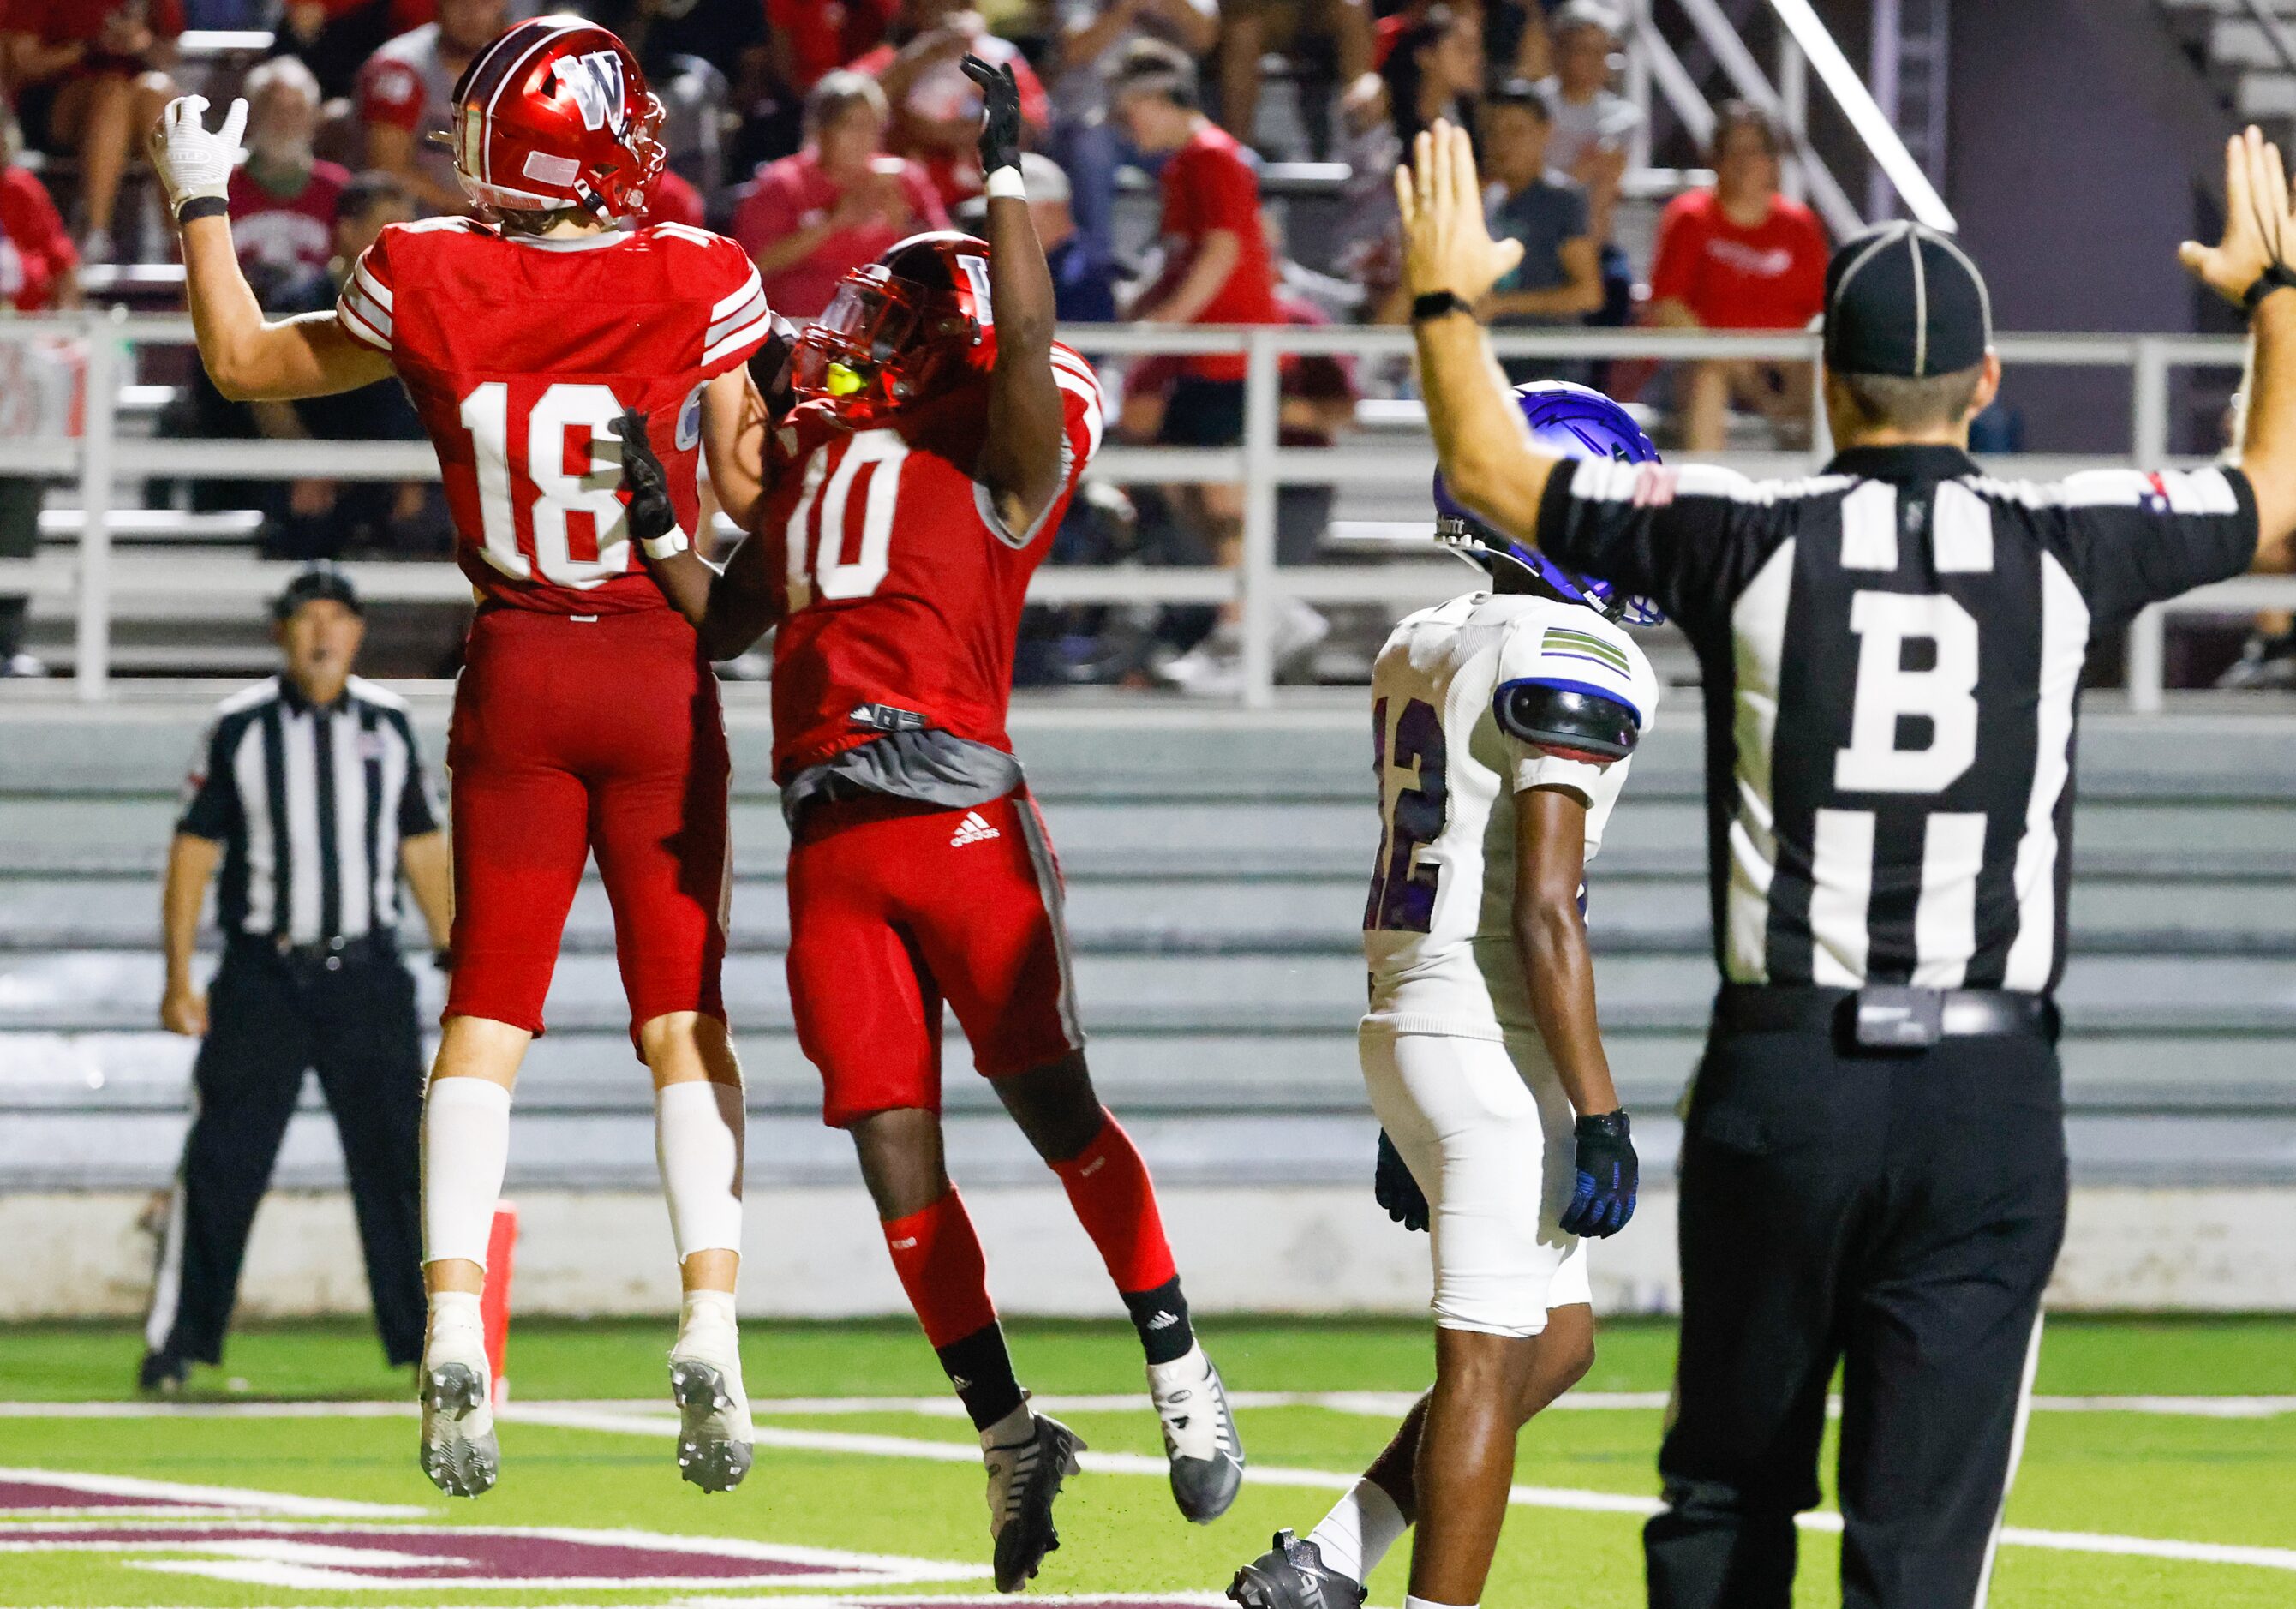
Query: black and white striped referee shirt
x,y
1892,654
310,804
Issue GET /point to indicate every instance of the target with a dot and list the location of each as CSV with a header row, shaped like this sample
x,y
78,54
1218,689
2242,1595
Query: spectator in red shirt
x,y
936,109
1739,257
90,76
284,198
811,38
672,199
406,94
811,218
40,272
1218,270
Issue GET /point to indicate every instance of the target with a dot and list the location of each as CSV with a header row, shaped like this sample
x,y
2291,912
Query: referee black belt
x,y
1885,1016
329,955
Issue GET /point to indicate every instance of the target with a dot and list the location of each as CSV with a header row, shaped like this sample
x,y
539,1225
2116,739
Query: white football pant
x,y
1486,1129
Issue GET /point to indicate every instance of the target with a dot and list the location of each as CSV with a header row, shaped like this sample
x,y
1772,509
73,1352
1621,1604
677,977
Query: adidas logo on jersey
x,y
973,829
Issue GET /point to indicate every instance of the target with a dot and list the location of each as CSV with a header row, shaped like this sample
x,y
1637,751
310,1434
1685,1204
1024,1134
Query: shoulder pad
x,y
1575,720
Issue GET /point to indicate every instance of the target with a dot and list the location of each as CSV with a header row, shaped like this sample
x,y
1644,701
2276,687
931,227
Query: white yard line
x,y
572,1417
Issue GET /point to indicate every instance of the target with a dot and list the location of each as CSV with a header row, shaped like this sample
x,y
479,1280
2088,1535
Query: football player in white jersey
x,y
1503,726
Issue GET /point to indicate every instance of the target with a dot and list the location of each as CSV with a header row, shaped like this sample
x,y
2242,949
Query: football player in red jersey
x,y
586,719
939,436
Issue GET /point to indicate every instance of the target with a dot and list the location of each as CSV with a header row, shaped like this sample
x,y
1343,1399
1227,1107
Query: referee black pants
x,y
1898,1213
269,1017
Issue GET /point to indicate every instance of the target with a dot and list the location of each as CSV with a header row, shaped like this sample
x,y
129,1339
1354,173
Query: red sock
x,y
1115,1201
938,1256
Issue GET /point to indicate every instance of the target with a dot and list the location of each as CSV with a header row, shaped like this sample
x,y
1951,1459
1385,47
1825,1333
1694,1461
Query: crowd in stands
x,y
818,132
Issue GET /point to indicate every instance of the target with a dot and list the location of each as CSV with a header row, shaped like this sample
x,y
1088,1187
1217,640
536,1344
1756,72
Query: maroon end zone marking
x,y
44,1498
446,1554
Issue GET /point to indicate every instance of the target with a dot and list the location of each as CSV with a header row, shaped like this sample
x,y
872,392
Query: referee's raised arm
x,y
2246,268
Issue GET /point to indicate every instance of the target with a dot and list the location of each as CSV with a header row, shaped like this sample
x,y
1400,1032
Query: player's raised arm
x,y
1450,264
1019,460
730,608
249,359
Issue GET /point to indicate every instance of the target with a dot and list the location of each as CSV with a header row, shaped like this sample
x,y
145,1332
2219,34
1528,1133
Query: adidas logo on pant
x,y
973,829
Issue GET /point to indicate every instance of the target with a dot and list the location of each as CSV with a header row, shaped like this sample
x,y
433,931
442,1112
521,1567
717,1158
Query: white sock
x,y
465,1148
704,1312
1410,1602
1361,1527
1011,1430
697,1140
454,1316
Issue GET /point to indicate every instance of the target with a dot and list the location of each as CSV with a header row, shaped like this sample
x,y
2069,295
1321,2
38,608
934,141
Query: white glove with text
x,y
191,161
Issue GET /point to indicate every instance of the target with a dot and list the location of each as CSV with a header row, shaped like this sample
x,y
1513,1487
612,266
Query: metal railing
x,y
97,580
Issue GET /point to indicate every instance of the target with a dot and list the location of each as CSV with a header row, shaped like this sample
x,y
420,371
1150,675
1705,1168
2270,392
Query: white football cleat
x,y
459,1451
713,1434
1200,1435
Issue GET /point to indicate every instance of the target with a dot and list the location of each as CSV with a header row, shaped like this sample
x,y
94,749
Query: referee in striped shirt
x,y
308,792
1874,1166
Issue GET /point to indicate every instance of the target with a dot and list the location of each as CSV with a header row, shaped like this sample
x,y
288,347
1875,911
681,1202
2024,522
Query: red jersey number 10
x,y
840,546
566,428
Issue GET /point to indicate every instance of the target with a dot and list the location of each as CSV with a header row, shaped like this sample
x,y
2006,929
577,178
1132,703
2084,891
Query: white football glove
x,y
191,161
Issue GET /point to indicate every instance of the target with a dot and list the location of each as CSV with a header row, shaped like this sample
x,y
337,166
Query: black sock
x,y
1161,1318
981,1369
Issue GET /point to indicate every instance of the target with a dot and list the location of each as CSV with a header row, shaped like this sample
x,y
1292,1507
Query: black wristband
x,y
1439,304
2278,277
1604,1124
201,206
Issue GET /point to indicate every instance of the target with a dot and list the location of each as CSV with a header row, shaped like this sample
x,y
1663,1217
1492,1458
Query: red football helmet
x,y
556,112
900,328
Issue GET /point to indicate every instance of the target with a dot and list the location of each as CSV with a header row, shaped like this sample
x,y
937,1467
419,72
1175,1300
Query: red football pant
x,y
572,736
895,907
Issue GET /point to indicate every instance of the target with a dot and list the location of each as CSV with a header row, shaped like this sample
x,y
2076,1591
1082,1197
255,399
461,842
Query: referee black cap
x,y
1903,300
314,583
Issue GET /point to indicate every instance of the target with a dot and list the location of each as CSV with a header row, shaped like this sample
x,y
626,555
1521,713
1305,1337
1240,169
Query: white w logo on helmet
x,y
595,83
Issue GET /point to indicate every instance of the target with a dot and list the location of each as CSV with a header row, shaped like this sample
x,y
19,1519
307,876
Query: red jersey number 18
x,y
825,525
567,421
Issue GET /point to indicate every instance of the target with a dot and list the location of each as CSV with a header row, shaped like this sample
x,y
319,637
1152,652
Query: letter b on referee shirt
x,y
1942,692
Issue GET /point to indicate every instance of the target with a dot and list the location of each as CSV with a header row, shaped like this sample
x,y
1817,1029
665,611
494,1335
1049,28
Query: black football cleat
x,y
161,1374
1023,1480
1291,1574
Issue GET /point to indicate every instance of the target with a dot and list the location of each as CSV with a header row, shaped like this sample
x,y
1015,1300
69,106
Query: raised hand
x,y
191,161
1000,113
1446,245
2260,230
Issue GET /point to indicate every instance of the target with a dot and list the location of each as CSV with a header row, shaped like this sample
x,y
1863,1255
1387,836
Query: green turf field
x,y
105,1503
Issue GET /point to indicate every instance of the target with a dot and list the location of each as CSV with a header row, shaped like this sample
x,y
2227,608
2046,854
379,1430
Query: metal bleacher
x,y
1217,866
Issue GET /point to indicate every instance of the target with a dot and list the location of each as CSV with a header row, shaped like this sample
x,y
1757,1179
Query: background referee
x,y
310,793
1873,1165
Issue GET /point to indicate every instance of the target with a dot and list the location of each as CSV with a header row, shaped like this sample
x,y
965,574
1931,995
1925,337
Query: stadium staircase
x,y
2248,50
1217,866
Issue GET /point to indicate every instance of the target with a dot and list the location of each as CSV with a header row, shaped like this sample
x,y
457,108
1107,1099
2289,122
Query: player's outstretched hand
x,y
651,516
2259,230
1446,245
1392,1184
1000,113
1602,1196
190,161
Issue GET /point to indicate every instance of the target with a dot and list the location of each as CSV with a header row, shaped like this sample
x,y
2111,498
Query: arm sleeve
x,y
363,306
418,807
739,319
389,92
210,798
1686,536
2133,538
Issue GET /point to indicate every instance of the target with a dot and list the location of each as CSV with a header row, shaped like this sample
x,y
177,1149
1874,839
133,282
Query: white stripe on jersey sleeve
x,y
755,331
371,284
1089,391
362,320
725,307
746,312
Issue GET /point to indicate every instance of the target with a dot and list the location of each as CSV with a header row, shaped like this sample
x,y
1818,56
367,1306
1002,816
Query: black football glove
x,y
773,373
1396,1189
1602,1198
651,517
1000,113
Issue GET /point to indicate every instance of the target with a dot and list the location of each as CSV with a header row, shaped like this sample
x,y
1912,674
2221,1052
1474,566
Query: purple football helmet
x,y
1571,421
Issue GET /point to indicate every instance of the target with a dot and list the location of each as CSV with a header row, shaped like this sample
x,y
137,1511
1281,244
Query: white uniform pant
x,y
1486,1129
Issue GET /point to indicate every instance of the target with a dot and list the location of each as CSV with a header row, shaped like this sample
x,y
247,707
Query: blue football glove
x,y
1397,1191
1602,1197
